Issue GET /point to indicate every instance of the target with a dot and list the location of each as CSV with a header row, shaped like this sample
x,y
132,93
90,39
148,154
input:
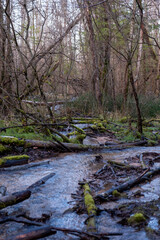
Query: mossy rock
x,y
137,218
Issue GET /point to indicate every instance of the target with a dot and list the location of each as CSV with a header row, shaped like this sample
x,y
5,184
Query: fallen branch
x,y
17,197
40,182
14,198
34,234
129,184
45,230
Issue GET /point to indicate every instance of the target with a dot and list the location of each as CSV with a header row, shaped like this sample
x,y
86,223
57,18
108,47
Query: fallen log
x,y
39,232
14,198
26,166
26,143
13,160
40,182
91,208
129,184
17,197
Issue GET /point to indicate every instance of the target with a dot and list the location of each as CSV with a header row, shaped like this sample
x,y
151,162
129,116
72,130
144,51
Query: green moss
x,y
89,201
78,139
115,193
65,138
123,120
152,143
10,158
12,141
78,129
136,218
72,133
4,149
138,135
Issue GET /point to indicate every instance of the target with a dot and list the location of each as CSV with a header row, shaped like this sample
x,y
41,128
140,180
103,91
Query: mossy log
x,y
4,149
13,160
9,140
26,143
26,166
129,184
90,207
14,198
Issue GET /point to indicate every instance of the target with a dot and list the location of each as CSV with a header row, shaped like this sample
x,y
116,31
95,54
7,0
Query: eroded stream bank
x,y
54,201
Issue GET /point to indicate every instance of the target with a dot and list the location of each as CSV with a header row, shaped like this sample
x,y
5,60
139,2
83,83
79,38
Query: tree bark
x,y
139,117
14,198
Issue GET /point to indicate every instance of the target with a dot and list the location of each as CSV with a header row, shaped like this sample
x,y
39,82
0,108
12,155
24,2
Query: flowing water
x,y
54,197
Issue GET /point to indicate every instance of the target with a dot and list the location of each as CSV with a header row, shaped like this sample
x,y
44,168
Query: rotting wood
x,y
129,184
14,198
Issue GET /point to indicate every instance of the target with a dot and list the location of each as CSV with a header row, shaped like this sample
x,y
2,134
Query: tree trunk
x,y
139,118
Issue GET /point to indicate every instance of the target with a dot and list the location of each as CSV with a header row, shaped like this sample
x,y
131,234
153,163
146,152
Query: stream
x,y
54,197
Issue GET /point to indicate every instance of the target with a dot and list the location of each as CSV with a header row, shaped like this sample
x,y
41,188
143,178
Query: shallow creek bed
x,y
57,206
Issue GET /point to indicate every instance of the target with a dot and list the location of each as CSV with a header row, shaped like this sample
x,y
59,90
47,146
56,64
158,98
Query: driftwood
x,y
39,232
17,197
14,198
40,182
129,184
